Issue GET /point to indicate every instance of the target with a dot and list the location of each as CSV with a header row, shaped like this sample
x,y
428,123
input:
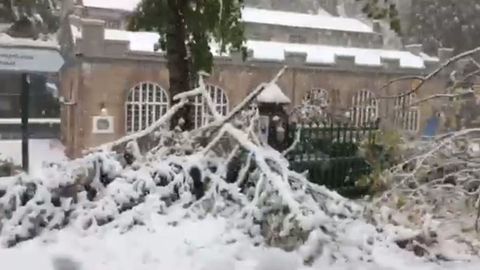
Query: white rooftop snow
x,y
139,41
274,51
320,54
126,5
255,15
322,21
6,40
273,94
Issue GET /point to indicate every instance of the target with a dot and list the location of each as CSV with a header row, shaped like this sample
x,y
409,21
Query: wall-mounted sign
x,y
102,125
16,57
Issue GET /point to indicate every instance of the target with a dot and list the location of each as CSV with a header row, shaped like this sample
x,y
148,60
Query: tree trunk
x,y
178,63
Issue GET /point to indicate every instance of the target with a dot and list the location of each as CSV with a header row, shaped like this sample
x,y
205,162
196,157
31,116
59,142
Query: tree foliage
x,y
203,21
446,23
187,30
382,10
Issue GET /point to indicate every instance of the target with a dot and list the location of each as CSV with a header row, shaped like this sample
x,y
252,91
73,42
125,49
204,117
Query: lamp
x,y
103,109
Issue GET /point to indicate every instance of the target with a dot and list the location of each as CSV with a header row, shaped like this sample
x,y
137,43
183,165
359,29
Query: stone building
x,y
114,83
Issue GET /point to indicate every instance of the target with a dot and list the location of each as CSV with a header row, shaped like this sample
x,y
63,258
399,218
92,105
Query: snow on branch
x,y
424,79
437,183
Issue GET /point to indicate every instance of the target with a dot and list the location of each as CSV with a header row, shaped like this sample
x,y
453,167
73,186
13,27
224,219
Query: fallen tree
x,y
120,185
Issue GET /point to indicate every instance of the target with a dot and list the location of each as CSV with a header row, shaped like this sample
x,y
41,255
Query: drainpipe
x,y
294,86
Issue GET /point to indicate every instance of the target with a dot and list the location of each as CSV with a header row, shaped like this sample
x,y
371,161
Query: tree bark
x,y
178,63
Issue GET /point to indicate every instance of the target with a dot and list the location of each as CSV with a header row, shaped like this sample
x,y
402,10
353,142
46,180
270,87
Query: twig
x,y
426,78
218,123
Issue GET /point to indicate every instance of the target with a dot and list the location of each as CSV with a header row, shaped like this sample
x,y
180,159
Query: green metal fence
x,y
329,152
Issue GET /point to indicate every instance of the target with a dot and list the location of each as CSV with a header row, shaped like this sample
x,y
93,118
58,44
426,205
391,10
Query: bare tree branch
x,y
431,75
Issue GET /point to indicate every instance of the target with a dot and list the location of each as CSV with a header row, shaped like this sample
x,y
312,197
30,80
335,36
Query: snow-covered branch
x,y
423,79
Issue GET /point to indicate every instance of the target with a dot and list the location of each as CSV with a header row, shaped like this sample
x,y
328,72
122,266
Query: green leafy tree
x,y
187,29
382,10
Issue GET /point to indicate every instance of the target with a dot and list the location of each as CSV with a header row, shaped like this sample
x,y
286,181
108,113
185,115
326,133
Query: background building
x,y
116,84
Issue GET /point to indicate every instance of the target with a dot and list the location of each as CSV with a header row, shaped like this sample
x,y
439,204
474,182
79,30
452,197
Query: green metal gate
x,y
329,152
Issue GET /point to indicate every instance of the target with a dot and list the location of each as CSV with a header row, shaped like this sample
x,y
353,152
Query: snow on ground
x,y
40,151
190,245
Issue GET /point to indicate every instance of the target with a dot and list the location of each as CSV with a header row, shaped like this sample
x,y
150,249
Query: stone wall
x,y
107,81
104,71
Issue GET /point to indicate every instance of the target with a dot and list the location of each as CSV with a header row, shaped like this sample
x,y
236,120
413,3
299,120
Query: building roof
x,y
302,20
321,54
124,5
6,40
275,51
323,20
139,41
273,94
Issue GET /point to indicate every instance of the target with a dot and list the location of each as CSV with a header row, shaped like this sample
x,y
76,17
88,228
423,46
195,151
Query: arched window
x,y
146,103
406,113
364,108
202,114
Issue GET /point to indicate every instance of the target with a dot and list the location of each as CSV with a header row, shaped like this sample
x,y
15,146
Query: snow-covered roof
x,y
320,54
139,41
7,40
275,51
125,5
273,94
321,21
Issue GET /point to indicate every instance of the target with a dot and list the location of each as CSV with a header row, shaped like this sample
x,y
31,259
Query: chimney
x,y
93,37
377,27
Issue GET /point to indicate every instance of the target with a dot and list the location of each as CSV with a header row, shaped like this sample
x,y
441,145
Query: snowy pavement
x,y
40,151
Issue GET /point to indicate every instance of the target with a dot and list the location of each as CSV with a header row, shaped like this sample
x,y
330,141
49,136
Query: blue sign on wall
x,y
431,129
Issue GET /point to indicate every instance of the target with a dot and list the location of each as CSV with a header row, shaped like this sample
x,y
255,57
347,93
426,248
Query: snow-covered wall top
x,y
7,40
125,5
119,43
323,21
